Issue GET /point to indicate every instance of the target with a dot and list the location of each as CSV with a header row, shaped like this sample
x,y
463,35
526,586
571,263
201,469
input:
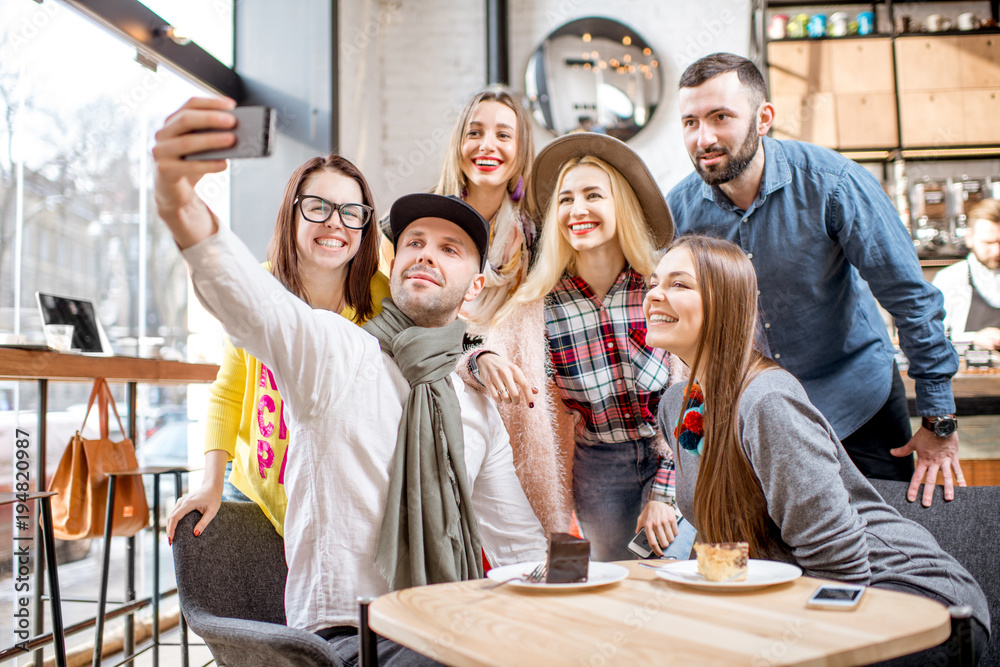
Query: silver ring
x,y
502,390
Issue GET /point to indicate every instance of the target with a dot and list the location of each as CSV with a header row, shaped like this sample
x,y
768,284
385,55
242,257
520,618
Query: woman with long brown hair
x,y
757,462
325,251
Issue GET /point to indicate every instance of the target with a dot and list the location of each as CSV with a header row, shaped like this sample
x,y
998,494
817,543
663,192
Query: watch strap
x,y
931,424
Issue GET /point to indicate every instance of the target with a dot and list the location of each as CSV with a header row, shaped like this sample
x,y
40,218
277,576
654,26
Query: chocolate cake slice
x,y
568,559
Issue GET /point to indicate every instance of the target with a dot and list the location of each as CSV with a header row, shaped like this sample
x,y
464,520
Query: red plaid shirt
x,y
604,369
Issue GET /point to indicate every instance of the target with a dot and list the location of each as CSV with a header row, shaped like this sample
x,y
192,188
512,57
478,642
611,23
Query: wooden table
x,y
646,621
50,365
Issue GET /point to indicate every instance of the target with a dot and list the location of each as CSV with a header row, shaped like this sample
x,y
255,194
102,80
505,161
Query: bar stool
x,y
49,544
155,471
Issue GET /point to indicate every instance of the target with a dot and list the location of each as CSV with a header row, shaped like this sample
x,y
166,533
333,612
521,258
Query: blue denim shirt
x,y
824,237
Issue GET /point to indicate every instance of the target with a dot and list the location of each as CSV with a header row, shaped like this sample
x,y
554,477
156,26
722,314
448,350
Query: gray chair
x,y
231,584
968,528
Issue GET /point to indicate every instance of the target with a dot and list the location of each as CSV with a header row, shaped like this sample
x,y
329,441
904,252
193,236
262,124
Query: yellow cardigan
x,y
246,420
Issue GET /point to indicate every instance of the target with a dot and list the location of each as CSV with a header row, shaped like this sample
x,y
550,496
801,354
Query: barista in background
x,y
972,288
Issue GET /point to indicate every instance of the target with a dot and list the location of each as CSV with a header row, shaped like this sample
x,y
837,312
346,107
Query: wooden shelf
x,y
940,261
870,155
43,364
794,3
951,153
967,386
828,38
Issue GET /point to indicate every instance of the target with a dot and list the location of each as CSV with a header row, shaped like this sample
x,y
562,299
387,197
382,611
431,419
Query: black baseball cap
x,y
408,208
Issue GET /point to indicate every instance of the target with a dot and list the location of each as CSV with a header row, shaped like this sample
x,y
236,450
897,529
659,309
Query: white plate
x,y
760,573
598,574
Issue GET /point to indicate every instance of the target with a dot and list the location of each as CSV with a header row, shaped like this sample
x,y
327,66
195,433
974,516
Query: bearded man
x,y
825,241
971,288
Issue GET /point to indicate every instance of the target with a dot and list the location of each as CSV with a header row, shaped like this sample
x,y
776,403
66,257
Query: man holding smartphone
x,y
354,394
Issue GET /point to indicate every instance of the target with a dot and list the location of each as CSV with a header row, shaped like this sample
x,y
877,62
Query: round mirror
x,y
596,75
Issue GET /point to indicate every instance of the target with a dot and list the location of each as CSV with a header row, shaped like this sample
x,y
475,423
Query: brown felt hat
x,y
549,161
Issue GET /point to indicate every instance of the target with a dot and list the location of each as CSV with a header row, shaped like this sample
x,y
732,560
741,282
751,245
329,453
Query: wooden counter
x,y
18,364
975,394
967,385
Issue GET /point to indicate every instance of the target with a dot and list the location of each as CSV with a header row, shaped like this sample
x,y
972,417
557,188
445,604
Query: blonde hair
x,y
453,180
556,255
503,271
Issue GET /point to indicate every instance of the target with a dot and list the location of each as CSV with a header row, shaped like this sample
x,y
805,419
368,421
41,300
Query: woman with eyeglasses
x,y
324,250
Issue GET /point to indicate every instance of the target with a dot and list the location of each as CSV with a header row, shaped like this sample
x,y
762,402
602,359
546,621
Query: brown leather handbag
x,y
81,480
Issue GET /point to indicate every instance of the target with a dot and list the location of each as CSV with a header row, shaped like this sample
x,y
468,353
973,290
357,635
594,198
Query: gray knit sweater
x,y
832,523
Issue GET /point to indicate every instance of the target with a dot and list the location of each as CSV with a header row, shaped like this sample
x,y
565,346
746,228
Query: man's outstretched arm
x,y
185,214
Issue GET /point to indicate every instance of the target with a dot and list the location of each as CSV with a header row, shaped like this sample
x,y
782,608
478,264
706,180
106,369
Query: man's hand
x,y
660,523
933,454
987,339
187,216
504,381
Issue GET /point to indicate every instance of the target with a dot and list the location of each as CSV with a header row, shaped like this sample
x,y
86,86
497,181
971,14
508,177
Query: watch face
x,y
945,427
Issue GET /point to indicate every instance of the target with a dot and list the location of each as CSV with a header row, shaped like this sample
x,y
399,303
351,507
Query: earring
x,y
518,193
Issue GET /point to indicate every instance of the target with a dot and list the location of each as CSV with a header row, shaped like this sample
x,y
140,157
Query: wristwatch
x,y
474,365
942,427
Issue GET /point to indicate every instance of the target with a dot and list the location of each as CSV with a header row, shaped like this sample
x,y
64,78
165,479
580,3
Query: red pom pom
x,y
693,422
696,394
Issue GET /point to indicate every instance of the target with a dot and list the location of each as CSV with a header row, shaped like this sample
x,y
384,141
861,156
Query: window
x,y
209,23
77,118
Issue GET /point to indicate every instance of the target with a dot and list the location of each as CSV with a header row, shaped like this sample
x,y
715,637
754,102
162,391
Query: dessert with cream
x,y
722,561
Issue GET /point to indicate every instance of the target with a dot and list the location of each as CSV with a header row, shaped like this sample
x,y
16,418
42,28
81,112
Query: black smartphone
x,y
254,135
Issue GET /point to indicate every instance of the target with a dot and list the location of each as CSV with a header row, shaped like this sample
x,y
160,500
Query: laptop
x,y
88,334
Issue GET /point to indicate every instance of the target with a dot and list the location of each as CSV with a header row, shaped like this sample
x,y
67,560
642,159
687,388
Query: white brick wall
x,y
408,66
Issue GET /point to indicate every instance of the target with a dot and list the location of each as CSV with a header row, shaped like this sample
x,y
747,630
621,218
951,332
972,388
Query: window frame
x,y
144,28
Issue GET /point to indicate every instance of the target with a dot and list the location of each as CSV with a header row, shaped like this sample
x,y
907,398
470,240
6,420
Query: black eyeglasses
x,y
319,210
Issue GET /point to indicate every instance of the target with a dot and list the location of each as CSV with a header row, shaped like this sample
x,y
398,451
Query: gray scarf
x,y
429,533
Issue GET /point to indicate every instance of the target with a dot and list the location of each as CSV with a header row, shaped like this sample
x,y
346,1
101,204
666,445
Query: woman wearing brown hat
x,y
604,218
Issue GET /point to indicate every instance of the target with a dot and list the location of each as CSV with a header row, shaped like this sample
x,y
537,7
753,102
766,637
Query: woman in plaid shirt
x,y
604,219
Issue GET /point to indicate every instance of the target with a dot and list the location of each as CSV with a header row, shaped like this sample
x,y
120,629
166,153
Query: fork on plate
x,y
535,576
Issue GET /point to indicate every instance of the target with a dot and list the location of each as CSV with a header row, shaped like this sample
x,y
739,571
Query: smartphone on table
x,y
255,130
836,596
